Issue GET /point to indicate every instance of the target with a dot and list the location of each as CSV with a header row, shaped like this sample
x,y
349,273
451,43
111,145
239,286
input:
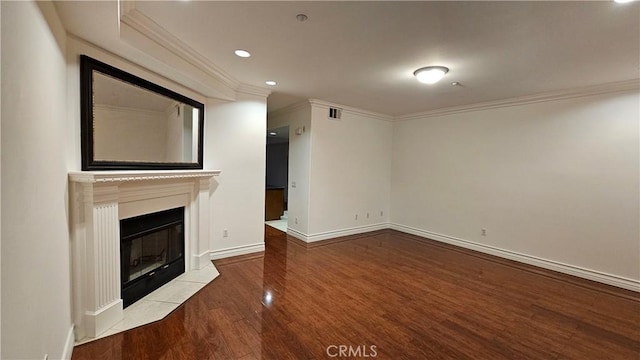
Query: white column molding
x,y
201,224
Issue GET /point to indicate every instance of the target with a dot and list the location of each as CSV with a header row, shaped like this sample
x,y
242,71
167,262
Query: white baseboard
x,y
96,322
297,234
236,250
200,261
336,233
68,346
618,281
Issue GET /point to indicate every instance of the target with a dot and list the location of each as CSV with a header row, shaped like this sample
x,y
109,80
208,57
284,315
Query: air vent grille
x,y
335,113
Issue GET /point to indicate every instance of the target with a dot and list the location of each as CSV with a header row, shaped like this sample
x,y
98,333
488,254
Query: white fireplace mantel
x,y
121,176
99,200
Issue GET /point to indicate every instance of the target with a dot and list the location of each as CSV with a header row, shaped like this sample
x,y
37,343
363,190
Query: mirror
x,y
129,123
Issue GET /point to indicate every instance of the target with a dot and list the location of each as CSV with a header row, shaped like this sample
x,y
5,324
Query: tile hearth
x,y
161,302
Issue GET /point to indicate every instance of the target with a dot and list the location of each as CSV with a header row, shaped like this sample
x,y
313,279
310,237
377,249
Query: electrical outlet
x,y
225,233
483,232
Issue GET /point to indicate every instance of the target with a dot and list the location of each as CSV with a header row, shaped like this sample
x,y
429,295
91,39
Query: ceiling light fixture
x,y
273,133
242,53
430,74
271,83
302,17
623,1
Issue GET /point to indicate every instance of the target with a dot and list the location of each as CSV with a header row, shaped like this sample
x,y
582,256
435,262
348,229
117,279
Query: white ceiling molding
x,y
136,20
253,90
349,109
174,81
619,86
290,108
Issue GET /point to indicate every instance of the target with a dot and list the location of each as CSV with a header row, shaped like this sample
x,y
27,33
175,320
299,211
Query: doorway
x,y
277,178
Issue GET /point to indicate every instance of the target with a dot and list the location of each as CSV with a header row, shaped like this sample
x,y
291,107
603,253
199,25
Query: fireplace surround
x,y
99,200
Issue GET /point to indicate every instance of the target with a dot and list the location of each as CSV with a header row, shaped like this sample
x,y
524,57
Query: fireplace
x,y
151,252
100,200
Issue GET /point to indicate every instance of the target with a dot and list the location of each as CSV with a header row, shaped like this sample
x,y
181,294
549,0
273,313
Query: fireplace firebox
x,y
151,252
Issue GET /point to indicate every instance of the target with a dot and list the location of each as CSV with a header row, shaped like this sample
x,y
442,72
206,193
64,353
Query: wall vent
x,y
335,113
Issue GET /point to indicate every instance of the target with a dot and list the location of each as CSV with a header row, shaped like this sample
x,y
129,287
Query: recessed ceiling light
x,y
302,17
273,133
623,1
430,74
271,83
242,53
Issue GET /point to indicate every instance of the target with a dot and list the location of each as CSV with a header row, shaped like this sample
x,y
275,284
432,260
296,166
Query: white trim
x,y
117,176
618,281
236,250
101,320
325,104
68,346
253,90
156,33
297,234
200,261
351,110
289,108
345,232
326,235
620,86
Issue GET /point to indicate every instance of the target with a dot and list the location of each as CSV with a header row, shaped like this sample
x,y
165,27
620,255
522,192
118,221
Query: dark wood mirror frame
x,y
87,68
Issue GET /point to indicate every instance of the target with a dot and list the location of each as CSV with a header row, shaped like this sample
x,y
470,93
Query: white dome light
x,y
271,83
430,74
623,1
242,53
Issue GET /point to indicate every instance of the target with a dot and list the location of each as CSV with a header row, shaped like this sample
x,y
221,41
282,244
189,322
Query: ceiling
x,y
363,54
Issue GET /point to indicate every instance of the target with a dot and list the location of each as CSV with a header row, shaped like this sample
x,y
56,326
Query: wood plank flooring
x,y
386,294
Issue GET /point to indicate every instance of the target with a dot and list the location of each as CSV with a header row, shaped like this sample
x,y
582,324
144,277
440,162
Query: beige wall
x,y
36,318
341,169
350,172
556,182
235,142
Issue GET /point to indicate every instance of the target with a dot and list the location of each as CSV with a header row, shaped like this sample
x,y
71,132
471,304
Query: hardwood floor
x,y
390,295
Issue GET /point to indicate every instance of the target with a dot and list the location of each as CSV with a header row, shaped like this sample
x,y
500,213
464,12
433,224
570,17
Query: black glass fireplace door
x,y
151,252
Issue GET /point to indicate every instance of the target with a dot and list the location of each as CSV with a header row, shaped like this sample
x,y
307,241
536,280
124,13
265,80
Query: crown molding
x,y
138,21
253,90
619,86
349,109
289,108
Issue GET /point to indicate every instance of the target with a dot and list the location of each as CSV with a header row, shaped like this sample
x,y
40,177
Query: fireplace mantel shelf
x,y
120,176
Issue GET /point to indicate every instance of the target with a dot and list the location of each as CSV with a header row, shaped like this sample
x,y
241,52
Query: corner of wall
x,y
235,143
